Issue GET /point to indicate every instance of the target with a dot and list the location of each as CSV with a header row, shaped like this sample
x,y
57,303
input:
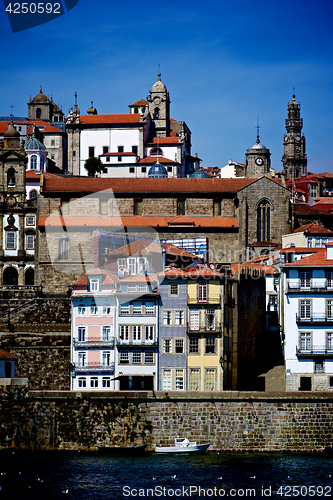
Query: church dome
x,y
40,97
200,174
34,145
11,133
258,145
158,86
157,171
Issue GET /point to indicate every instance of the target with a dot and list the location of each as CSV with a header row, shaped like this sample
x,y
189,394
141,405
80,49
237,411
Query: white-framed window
x,y
210,379
106,333
93,310
149,334
149,357
30,220
107,310
141,265
329,279
305,309
166,379
106,358
81,310
150,307
121,266
82,358
132,265
179,346
166,346
81,334
142,287
124,333
167,318
194,345
273,300
210,345
305,341
329,309
33,162
136,356
179,382
94,382
137,307
179,318
305,279
124,356
131,288
63,248
194,319
94,285
106,382
136,333
125,308
174,289
329,341
202,291
194,379
30,242
210,319
82,382
10,240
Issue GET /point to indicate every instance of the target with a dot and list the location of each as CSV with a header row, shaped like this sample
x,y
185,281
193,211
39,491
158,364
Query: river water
x,y
80,476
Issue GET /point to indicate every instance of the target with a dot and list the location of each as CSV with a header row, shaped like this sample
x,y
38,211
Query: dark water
x,y
69,476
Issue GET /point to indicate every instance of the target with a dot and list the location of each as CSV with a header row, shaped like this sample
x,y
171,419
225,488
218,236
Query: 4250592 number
x,y
305,491
33,8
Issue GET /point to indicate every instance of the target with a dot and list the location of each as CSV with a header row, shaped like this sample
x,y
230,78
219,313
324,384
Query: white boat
x,y
183,445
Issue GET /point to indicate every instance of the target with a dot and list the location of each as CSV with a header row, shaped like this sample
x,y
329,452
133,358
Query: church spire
x,y
294,157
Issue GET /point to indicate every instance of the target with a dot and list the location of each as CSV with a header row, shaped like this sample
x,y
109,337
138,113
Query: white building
x,y
309,235
307,319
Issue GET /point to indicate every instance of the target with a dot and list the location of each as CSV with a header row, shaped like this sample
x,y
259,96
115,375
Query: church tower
x,y
258,161
294,157
159,108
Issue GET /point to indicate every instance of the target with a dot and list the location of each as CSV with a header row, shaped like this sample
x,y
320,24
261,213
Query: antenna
x,y
258,126
12,107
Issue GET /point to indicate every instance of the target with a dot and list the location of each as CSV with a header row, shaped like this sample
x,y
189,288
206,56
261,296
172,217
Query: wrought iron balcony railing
x,y
93,367
217,328
313,285
314,318
210,299
315,350
93,342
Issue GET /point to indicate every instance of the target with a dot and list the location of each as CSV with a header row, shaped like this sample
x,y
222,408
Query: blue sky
x,y
223,62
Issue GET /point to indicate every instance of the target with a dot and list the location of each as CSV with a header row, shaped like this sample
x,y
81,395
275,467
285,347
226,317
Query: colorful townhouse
x,y
307,319
93,332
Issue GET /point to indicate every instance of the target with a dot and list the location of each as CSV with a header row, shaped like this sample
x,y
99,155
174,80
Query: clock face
x,y
259,161
298,138
157,100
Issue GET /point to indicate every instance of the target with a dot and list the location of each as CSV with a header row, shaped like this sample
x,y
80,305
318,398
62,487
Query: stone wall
x,y
231,421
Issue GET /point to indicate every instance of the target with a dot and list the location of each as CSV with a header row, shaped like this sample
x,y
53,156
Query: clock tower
x,y
258,160
294,157
159,108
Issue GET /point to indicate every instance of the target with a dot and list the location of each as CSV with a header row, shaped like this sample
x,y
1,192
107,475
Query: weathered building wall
x,y
231,421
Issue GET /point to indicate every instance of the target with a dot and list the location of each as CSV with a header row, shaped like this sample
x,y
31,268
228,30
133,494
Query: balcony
x,y
136,343
93,342
315,318
93,367
316,350
204,329
312,286
210,299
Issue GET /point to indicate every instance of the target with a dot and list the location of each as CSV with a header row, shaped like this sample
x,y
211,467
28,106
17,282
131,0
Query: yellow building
x,y
205,329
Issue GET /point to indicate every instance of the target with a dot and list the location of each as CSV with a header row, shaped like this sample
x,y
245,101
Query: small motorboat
x,y
183,445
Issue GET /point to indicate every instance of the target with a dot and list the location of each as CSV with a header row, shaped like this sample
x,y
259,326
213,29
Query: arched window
x,y
42,163
10,276
136,110
10,177
33,162
156,152
156,113
33,194
38,113
264,221
29,276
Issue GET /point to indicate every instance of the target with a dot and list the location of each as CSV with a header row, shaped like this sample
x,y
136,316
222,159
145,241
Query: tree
x,y
93,165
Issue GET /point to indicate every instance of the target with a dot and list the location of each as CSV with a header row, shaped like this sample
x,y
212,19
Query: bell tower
x,y
159,108
294,157
258,162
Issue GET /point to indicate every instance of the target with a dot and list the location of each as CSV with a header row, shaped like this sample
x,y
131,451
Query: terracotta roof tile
x,y
138,247
163,141
6,355
150,160
316,259
313,229
141,102
129,119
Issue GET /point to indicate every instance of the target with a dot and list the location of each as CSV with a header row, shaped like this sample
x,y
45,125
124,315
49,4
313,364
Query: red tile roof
x,y
150,160
108,277
138,247
163,141
313,229
6,355
33,174
128,119
141,102
193,273
135,220
316,259
44,127
139,278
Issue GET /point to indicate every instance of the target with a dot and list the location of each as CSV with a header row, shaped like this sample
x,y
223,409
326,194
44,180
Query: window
x,y
106,382
33,194
107,159
264,221
136,356
11,177
142,288
179,318
120,149
156,152
329,341
156,113
132,265
167,315
202,291
149,334
103,207
305,309
94,285
42,164
63,249
135,150
149,308
273,300
143,170
106,311
137,307
180,207
81,310
33,162
276,281
38,113
30,220
166,380
173,289
124,333
52,142
107,358
210,379
105,149
141,265
329,278
125,308
305,341
179,386
194,319
82,383
210,345
93,311
124,357
106,334
120,158
305,280
131,288
194,379
166,346
319,365
10,240
94,382
64,207
329,309
131,170
217,208
194,345
210,319
137,207
81,334
149,357
91,151
136,333
179,346
82,359
121,266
